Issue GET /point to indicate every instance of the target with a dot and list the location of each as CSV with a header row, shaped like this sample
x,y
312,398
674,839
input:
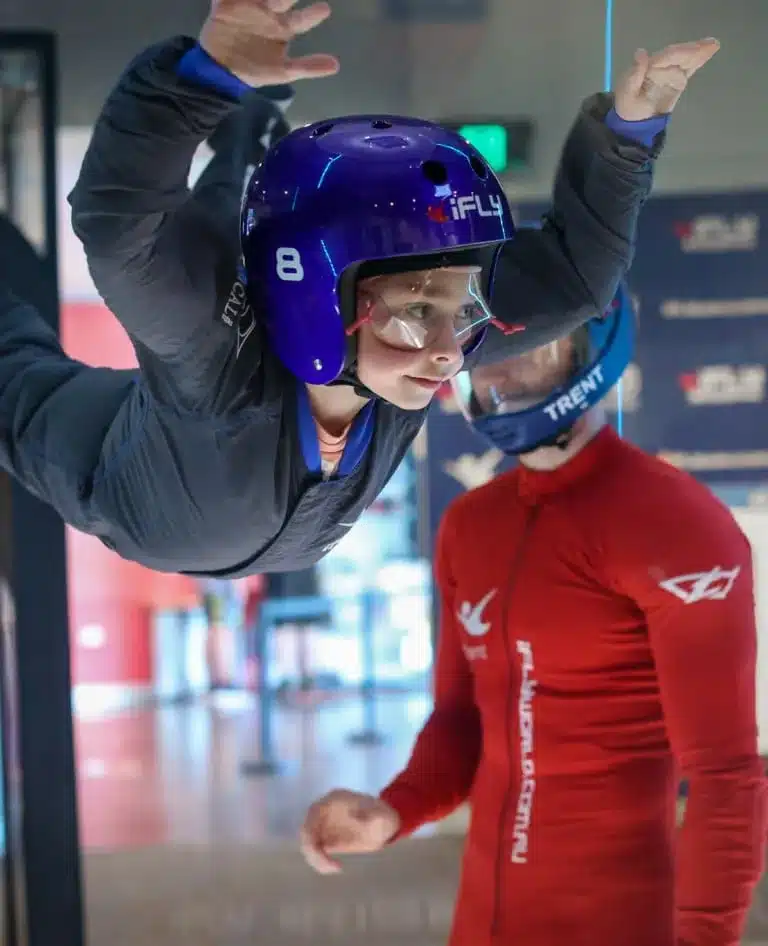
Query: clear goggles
x,y
414,311
522,382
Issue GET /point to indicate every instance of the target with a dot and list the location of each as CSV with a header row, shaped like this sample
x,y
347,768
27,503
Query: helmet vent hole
x,y
479,167
435,172
380,123
322,130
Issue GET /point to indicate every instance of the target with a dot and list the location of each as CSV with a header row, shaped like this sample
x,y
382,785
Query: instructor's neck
x,y
334,408
550,458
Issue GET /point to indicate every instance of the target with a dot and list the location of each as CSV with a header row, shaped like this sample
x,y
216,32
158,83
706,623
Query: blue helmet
x,y
490,395
397,193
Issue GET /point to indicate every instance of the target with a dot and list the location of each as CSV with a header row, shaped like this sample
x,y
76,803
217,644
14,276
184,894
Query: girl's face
x,y
412,329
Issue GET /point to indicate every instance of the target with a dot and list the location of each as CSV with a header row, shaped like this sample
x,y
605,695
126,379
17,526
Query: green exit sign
x,y
491,141
505,145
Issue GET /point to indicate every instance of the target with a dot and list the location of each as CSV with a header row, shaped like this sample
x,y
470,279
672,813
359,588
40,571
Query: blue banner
x,y
701,279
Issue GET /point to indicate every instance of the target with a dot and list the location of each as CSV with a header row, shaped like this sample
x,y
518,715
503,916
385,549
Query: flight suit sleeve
x,y
439,775
162,260
550,280
33,373
696,592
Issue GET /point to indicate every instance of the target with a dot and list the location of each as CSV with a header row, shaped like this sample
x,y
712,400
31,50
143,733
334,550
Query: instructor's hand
x,y
654,84
344,822
251,39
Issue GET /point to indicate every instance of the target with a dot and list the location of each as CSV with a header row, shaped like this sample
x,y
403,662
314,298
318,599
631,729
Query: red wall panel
x,y
90,333
111,643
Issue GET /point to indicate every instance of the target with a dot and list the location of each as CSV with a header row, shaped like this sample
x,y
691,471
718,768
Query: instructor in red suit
x,y
597,644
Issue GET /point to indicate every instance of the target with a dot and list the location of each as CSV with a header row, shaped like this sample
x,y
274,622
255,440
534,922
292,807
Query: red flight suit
x,y
597,643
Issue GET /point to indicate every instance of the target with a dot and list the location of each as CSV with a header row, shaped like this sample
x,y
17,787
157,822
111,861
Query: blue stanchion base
x,y
259,768
366,737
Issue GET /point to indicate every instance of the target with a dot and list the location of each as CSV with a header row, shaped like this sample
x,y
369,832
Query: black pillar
x,y
45,906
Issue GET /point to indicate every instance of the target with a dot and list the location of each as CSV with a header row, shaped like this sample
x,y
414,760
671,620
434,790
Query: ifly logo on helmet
x,y
459,208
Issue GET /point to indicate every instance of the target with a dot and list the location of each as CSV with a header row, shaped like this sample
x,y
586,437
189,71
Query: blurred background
x,y
207,716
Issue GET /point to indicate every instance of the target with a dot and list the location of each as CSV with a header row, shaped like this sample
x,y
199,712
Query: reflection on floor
x,y
173,775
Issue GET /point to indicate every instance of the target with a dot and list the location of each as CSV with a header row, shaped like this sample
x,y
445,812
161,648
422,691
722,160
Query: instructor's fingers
x,y
315,856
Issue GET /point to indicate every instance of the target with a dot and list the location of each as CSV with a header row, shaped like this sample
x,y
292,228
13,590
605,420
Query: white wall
x,y
98,38
75,283
541,57
535,58
531,57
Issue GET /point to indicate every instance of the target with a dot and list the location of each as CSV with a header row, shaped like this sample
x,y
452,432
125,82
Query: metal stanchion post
x,y
292,609
265,764
369,735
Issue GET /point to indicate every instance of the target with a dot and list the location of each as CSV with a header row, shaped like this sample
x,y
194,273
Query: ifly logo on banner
x,y
724,384
715,233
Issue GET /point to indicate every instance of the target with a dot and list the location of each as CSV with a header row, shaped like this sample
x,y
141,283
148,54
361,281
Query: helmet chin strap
x,y
348,374
561,440
349,378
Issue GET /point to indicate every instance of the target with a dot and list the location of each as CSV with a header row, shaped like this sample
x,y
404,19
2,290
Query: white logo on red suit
x,y
714,585
471,618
